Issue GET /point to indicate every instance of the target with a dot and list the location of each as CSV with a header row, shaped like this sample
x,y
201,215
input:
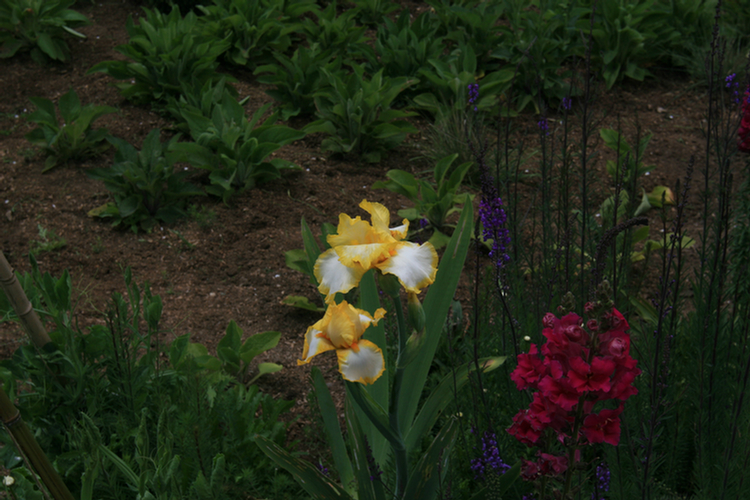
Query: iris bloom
x,y
360,246
341,329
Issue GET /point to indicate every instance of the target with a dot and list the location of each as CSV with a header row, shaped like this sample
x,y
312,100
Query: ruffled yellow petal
x,y
334,276
414,265
315,343
366,256
381,220
364,363
343,327
351,232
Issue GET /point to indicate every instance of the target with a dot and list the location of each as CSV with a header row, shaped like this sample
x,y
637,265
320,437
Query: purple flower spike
x,y
473,94
490,460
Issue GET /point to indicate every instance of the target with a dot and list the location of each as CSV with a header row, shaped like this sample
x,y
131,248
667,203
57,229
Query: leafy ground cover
x,y
227,261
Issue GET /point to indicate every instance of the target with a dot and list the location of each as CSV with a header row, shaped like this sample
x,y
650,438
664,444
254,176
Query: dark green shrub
x,y
74,139
38,26
144,184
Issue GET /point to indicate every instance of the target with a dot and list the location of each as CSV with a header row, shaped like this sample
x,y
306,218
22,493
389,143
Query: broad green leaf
x,y
442,396
265,368
370,302
311,480
436,306
70,107
644,206
366,488
333,431
258,343
374,413
302,303
424,479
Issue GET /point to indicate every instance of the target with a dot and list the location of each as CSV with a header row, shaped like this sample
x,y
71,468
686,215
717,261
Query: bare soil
x,y
234,267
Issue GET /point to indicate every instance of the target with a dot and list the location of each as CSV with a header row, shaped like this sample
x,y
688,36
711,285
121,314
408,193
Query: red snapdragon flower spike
x,y
576,365
603,427
743,142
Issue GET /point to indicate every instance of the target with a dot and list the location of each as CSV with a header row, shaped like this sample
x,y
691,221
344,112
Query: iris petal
x,y
334,276
315,343
414,265
364,365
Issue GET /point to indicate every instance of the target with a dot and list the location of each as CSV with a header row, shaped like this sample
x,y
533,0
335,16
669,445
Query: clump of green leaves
x,y
357,114
74,139
445,83
254,30
373,12
144,184
628,35
297,79
233,149
434,199
333,32
165,50
537,42
403,47
48,241
117,410
38,26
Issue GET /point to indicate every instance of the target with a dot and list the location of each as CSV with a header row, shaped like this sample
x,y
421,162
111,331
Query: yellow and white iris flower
x,y
360,246
341,329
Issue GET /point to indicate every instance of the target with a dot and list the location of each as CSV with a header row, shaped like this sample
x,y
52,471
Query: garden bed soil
x,y
229,263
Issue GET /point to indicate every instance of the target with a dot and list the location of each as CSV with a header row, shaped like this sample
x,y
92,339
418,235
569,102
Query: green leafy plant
x,y
405,46
75,139
356,113
297,79
144,184
38,26
536,44
255,30
200,96
334,32
233,149
165,50
48,241
120,412
628,36
372,12
434,199
476,24
445,81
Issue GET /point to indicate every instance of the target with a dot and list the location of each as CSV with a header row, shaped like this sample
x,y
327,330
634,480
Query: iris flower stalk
x,y
357,247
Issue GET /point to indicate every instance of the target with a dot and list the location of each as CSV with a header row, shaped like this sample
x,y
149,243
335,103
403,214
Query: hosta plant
x,y
74,139
404,46
333,32
446,80
145,186
203,97
233,149
165,50
629,37
356,113
538,42
255,30
39,26
434,199
297,79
